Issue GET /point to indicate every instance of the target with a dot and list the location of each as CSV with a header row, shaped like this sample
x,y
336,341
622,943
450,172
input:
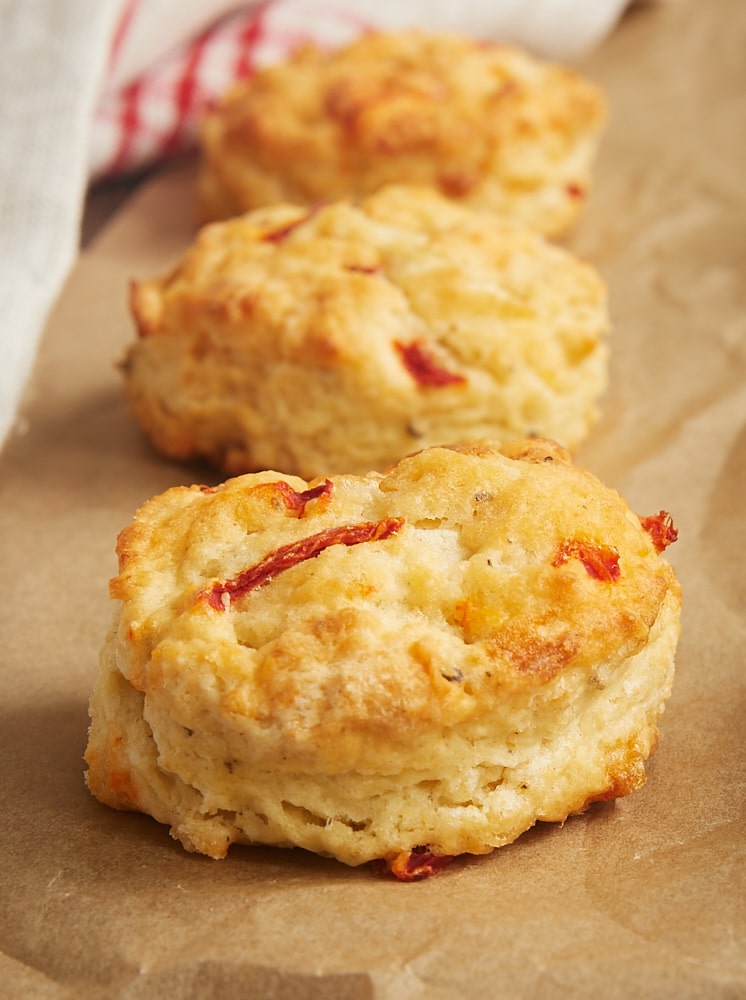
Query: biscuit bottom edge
x,y
410,825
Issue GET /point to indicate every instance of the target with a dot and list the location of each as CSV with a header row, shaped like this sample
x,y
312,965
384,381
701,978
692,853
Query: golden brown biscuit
x,y
401,666
339,339
486,124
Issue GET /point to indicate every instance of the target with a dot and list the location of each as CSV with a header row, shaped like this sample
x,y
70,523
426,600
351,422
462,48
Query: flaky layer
x,y
487,125
439,656
340,339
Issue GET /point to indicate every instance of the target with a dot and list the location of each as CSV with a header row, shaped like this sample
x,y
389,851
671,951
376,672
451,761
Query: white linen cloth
x,y
93,87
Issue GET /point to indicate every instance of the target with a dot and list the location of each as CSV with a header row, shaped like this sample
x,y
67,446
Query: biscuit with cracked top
x,y
403,666
488,125
339,339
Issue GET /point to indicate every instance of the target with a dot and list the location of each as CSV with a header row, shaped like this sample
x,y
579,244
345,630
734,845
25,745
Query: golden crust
x,y
340,339
485,124
440,655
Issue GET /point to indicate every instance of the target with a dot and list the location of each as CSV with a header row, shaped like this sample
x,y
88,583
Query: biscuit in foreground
x,y
485,124
400,667
341,338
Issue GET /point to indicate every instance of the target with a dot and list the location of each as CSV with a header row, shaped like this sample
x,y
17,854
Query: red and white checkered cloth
x,y
155,94
149,112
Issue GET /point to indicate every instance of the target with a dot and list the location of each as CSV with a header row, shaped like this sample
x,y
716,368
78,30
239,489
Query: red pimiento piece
x,y
279,234
661,529
601,561
296,552
296,501
575,191
361,269
413,866
423,368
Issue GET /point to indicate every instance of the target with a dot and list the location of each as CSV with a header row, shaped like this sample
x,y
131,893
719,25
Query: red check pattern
x,y
157,114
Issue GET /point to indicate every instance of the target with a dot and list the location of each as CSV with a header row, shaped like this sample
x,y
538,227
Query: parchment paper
x,y
642,898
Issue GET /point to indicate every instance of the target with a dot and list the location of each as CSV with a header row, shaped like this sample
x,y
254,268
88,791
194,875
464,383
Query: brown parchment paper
x,y
642,898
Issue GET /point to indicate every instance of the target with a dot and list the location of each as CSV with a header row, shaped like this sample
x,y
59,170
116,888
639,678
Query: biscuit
x,y
486,124
339,339
404,666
